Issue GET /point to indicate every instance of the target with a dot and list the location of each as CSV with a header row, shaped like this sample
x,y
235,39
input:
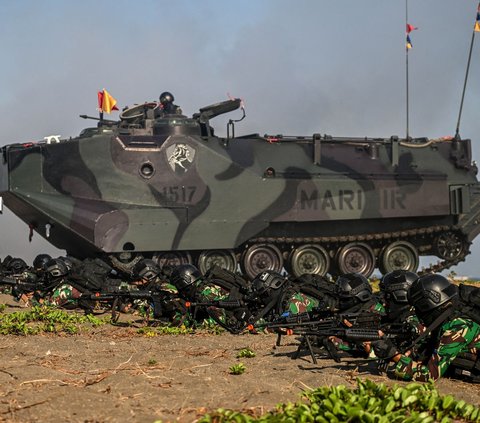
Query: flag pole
x,y
406,69
457,130
100,95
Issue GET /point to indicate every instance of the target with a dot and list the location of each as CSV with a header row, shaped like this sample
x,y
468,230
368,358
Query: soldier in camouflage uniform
x,y
65,295
394,289
17,268
53,288
308,292
148,275
394,286
355,295
58,292
453,334
192,286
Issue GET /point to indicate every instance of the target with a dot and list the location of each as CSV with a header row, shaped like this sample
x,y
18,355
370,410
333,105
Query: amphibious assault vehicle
x,y
165,186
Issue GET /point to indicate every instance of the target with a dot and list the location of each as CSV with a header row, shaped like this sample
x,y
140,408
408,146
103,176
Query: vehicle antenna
x,y
476,28
408,46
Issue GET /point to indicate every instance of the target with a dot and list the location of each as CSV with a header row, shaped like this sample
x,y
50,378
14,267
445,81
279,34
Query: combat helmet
x,y
16,265
431,295
166,97
56,268
353,285
146,269
395,285
265,283
69,261
352,289
183,277
40,261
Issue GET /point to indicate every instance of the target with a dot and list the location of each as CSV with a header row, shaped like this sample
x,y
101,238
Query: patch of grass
x,y
147,331
152,331
210,326
43,319
246,353
152,362
368,402
237,369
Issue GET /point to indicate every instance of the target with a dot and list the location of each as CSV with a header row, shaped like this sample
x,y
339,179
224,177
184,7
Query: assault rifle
x,y
354,327
21,286
118,296
233,315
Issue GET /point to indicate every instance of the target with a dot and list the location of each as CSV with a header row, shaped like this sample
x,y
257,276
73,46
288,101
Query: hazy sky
x,y
303,66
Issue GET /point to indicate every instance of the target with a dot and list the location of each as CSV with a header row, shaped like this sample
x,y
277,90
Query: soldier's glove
x,y
384,348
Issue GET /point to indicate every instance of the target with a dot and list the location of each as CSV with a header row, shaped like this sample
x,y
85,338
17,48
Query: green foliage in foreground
x,y
368,402
45,319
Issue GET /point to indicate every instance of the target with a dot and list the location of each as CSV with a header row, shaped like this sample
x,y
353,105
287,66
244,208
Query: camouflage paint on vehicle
x,y
168,188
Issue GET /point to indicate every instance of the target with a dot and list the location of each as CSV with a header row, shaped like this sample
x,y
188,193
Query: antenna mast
x,y
476,28
406,65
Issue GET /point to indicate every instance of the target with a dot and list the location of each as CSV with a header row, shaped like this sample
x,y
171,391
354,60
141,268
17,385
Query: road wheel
x,y
172,258
222,258
399,255
309,258
259,258
356,257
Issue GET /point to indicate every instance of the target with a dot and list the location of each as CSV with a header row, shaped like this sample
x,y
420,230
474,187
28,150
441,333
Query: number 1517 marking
x,y
179,194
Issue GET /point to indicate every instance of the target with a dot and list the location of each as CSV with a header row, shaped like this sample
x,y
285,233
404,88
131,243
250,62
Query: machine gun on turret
x,y
101,121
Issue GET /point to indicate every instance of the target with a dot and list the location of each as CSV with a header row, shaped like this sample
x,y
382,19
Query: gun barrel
x,y
218,303
20,285
107,296
96,118
8,281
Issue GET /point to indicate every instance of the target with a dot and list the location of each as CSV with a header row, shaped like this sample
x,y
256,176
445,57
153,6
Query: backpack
x,y
316,291
90,275
229,281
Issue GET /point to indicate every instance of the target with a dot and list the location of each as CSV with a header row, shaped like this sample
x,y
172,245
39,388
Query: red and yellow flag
x,y
106,103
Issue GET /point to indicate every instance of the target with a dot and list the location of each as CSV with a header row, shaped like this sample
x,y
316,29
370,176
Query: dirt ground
x,y
114,374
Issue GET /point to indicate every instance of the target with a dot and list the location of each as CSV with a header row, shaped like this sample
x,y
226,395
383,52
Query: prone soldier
x,y
453,328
